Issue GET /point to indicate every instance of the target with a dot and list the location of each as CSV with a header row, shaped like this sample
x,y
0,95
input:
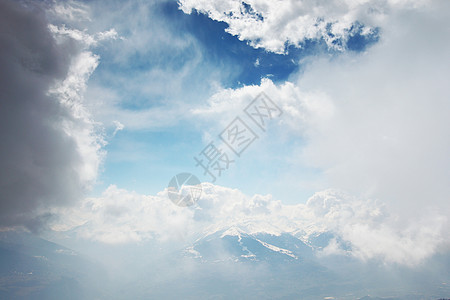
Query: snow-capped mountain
x,y
240,261
251,241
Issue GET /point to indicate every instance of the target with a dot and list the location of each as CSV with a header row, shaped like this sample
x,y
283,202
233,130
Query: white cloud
x,y
87,133
75,34
299,107
108,35
120,216
83,36
274,24
80,127
376,233
69,11
119,127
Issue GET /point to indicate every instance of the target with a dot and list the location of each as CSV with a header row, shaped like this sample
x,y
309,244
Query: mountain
x,y
238,261
33,268
251,261
236,245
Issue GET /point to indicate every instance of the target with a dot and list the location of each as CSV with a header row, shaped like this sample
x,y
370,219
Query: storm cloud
x,y
42,155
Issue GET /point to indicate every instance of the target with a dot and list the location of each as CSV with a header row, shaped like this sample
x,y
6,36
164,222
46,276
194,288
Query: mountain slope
x,y
33,268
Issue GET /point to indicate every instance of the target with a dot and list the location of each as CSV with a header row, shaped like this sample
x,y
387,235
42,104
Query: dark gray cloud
x,y
39,161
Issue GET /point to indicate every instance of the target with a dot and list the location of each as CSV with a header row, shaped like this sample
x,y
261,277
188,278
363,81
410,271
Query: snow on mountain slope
x,y
248,242
276,249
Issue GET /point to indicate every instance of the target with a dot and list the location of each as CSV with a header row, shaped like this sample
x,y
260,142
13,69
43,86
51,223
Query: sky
x,y
103,103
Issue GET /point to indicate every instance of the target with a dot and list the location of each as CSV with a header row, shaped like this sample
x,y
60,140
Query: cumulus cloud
x,y
120,216
274,25
51,149
300,106
373,232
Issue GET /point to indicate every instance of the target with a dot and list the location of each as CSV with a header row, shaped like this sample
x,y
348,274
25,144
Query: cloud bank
x,y
120,217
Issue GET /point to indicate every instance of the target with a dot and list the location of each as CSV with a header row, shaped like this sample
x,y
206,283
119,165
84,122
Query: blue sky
x,y
146,158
